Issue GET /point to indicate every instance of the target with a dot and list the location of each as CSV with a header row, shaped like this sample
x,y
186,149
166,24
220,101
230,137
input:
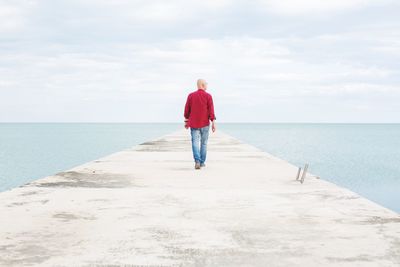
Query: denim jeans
x,y
199,143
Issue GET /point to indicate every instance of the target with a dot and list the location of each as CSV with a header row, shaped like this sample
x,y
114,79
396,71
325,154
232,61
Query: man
x,y
199,110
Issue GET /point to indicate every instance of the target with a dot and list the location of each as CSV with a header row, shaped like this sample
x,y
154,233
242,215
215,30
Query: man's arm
x,y
211,112
210,107
186,113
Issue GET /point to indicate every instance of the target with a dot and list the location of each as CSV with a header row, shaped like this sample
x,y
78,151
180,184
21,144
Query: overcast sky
x,y
136,60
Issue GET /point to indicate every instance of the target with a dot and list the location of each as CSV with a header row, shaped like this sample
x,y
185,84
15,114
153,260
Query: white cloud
x,y
110,60
155,11
13,15
315,7
237,62
10,18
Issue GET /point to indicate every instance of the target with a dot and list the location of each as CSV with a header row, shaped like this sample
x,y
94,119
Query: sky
x,y
137,60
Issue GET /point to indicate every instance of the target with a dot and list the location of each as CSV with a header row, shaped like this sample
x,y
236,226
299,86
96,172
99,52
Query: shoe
x,y
202,165
197,166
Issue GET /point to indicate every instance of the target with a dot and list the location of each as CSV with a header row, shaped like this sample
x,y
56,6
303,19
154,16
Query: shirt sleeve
x,y
210,106
187,108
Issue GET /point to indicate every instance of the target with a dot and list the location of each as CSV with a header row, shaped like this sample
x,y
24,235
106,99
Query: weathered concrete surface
x,y
148,206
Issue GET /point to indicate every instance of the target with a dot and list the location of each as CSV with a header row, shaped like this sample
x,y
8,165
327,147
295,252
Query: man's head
x,y
202,84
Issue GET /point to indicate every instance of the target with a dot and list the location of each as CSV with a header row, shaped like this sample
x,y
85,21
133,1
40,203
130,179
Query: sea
x,y
364,158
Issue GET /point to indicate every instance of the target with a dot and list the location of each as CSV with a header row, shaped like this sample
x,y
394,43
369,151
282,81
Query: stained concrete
x,y
148,206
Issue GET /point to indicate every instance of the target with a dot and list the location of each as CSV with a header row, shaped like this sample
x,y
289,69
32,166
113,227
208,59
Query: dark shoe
x,y
197,166
202,165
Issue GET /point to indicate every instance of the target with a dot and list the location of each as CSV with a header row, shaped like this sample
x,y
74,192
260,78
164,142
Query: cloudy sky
x,y
136,60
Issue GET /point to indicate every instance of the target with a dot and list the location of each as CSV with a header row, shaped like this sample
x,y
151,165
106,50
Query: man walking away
x,y
199,110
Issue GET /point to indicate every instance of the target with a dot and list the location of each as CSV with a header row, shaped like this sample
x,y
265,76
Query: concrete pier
x,y
148,206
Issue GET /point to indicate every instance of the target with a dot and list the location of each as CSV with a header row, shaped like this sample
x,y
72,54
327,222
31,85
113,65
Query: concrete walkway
x,y
148,206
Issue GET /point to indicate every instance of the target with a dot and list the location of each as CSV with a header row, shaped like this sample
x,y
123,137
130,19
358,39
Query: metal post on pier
x,y
303,174
298,174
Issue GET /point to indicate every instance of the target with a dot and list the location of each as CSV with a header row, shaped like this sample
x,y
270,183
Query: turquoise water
x,y
362,157
29,151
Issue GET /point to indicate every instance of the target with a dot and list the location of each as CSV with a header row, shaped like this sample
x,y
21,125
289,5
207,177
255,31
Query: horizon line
x,y
226,122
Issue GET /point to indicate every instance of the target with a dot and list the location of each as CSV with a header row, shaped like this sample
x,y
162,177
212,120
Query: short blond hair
x,y
201,83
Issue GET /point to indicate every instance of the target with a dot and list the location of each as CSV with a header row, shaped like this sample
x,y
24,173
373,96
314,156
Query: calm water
x,y
362,157
29,151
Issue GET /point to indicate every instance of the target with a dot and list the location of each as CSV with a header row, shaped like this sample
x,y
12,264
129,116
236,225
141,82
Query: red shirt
x,y
199,109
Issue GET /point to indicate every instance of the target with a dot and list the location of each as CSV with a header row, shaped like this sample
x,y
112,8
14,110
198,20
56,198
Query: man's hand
x,y
213,126
186,124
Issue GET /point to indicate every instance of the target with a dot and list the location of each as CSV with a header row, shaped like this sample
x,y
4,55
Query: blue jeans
x,y
199,143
